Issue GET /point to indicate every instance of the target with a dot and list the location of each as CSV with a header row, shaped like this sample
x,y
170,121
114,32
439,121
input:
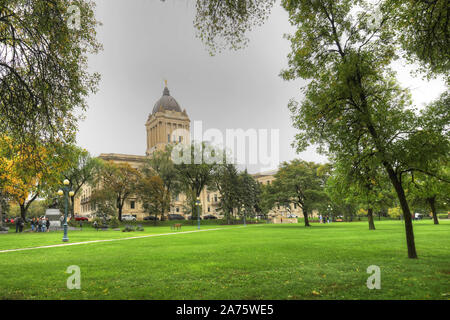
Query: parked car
x,y
175,217
292,216
81,218
152,218
128,217
209,217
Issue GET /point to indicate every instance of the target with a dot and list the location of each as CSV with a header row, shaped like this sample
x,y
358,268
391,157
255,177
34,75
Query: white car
x,y
128,217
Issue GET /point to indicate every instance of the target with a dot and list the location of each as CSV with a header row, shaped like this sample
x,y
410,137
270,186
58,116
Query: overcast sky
x,y
147,41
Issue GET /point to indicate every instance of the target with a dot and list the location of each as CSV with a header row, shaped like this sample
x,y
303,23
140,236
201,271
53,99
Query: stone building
x,y
167,123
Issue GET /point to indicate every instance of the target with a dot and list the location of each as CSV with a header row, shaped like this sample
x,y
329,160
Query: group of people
x,y
322,219
40,224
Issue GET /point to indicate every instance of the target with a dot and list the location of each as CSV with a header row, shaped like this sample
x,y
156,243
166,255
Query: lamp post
x,y
66,192
198,212
243,210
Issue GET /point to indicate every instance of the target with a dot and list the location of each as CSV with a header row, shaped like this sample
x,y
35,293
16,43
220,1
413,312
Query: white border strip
x,y
109,240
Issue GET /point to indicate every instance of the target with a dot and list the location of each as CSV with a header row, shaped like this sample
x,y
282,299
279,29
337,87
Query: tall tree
x,y
120,180
195,164
352,98
153,194
248,194
44,77
161,164
81,171
298,182
225,180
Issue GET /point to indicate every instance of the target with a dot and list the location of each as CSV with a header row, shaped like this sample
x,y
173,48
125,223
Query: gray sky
x,y
147,41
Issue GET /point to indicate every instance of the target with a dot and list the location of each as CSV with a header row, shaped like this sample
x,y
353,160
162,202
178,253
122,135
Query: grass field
x,y
232,262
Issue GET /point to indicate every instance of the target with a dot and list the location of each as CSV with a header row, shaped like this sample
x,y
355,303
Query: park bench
x,y
176,226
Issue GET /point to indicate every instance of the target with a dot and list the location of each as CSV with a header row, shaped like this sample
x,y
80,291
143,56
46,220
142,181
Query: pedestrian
x,y
95,224
47,224
320,218
17,221
43,225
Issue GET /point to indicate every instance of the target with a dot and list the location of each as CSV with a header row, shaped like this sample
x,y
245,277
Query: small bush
x,y
113,223
443,216
128,228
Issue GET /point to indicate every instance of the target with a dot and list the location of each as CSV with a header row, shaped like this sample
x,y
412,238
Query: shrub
x,y
443,216
113,222
128,228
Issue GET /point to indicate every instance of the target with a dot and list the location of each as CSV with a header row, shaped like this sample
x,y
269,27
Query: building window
x,y
180,138
132,204
215,198
209,209
178,209
168,138
208,197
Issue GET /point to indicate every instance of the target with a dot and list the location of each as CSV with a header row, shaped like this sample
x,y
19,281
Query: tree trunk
x,y
305,214
412,254
370,217
120,212
432,202
23,211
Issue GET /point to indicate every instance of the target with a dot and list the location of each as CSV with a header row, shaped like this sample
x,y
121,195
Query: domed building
x,y
166,124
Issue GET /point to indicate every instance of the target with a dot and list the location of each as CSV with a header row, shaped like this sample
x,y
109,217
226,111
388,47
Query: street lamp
x,y
198,211
243,209
66,192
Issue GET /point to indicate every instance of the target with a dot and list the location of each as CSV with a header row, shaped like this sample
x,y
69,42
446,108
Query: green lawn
x,y
253,262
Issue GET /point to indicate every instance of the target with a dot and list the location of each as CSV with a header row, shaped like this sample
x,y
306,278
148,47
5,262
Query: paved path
x,y
109,240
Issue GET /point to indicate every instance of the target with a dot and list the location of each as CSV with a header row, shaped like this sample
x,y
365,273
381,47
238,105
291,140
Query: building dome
x,y
167,102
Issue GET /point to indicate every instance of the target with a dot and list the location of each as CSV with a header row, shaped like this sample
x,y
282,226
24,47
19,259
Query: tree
x,y
81,172
298,182
154,195
30,171
118,180
194,165
160,163
248,194
44,78
428,190
225,180
352,98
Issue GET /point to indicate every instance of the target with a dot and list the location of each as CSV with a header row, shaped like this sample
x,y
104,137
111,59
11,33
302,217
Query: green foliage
x,y
194,165
113,222
225,179
221,24
423,31
302,183
44,76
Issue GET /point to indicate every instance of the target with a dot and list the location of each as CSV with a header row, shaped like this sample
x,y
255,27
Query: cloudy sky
x,y
148,41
